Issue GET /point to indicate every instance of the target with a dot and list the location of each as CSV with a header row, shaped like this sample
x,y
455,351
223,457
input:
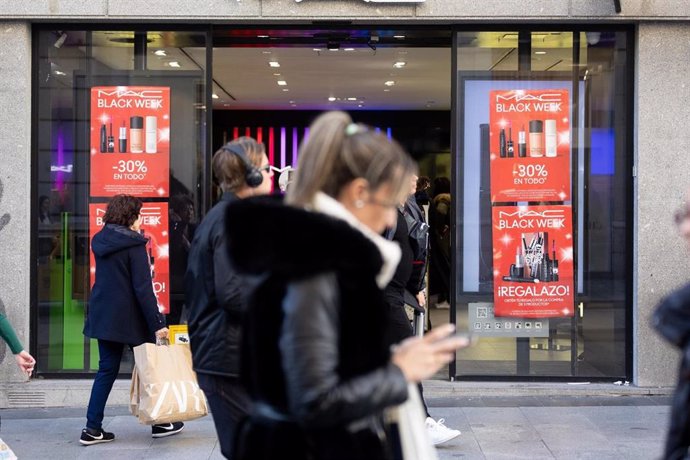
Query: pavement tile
x,y
488,415
513,450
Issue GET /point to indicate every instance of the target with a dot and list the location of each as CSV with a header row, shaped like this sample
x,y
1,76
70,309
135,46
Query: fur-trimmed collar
x,y
266,236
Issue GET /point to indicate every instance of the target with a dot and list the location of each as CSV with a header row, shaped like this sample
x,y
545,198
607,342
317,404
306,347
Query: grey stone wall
x,y
434,10
663,146
15,185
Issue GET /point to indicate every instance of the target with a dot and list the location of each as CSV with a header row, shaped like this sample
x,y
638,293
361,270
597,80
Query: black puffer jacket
x,y
123,306
315,351
216,297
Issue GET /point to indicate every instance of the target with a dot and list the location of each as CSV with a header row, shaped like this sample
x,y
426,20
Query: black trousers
x,y
678,438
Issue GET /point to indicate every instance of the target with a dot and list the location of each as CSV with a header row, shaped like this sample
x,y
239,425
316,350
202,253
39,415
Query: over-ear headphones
x,y
253,176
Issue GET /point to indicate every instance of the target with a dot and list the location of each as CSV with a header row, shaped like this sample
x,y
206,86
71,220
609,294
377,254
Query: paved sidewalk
x,y
493,427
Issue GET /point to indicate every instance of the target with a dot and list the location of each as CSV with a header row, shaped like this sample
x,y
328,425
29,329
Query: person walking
x,y
123,310
216,293
315,356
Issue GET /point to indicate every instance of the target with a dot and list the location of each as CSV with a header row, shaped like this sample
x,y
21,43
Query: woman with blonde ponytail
x,y
315,357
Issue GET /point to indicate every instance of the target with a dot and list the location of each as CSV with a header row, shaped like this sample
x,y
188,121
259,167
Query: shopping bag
x,y
409,420
134,393
168,388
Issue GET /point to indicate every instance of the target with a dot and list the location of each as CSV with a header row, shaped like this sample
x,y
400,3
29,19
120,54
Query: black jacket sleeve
x,y
143,288
309,347
228,285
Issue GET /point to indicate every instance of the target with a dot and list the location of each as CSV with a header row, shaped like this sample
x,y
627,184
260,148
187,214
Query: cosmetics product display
x,y
122,138
104,140
111,140
136,138
522,143
510,148
535,265
536,138
502,143
151,134
550,138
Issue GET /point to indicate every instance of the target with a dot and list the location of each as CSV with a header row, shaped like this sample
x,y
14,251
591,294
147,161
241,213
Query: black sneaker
x,y
90,436
166,429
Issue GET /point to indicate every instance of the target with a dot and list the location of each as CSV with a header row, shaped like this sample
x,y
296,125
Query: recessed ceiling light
x,y
348,49
276,75
215,96
226,105
351,98
274,63
282,83
59,72
160,53
265,52
174,64
400,64
292,102
389,83
316,49
285,90
360,105
399,37
540,52
331,99
262,36
386,90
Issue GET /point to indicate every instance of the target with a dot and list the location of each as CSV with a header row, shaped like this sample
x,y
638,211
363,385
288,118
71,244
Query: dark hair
x,y
339,151
441,185
122,210
228,168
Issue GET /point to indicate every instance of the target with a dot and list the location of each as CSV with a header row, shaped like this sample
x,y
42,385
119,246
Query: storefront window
x,y
543,170
117,112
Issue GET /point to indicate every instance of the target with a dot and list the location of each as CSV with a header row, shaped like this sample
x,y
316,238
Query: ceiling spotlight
x,y
389,83
215,96
400,64
333,46
274,63
285,90
348,49
61,40
276,75
540,52
351,98
386,90
59,72
174,64
262,36
331,99
316,49
160,53
399,37
282,83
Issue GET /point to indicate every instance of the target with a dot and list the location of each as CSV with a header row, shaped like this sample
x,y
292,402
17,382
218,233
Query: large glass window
x,y
544,178
117,112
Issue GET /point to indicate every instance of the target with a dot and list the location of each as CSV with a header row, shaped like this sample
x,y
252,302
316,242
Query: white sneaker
x,y
438,432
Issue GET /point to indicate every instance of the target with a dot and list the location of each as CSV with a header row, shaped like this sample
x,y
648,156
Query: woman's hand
x,y
25,361
162,334
420,358
421,298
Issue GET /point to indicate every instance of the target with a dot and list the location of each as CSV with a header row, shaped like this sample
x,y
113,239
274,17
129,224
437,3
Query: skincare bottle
x,y
122,138
522,143
511,149
111,140
550,138
151,134
136,126
104,140
502,143
554,263
536,138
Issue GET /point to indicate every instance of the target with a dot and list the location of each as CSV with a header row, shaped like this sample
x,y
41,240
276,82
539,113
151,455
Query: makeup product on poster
x,y
550,138
536,138
517,270
510,148
136,127
111,140
522,143
104,139
554,263
502,143
122,138
151,134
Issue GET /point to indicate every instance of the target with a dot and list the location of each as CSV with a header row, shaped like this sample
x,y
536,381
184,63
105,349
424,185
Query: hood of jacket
x,y
113,238
295,243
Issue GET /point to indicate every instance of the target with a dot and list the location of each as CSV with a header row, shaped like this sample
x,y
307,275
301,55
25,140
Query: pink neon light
x,y
259,134
248,132
235,133
294,146
282,147
271,148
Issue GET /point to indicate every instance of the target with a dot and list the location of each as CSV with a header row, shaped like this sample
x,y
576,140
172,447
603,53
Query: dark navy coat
x,y
123,306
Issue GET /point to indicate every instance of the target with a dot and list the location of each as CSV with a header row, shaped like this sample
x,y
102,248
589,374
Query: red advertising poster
x,y
533,261
530,145
130,141
155,227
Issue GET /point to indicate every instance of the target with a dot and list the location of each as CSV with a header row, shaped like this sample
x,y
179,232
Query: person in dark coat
x,y
216,293
123,310
672,320
315,354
